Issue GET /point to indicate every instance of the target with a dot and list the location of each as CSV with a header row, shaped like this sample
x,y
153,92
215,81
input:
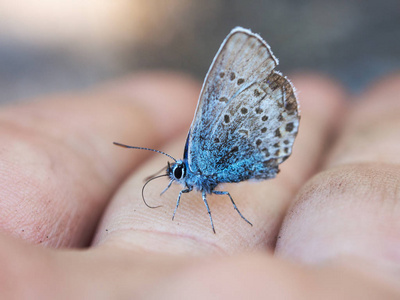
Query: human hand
x,y
336,236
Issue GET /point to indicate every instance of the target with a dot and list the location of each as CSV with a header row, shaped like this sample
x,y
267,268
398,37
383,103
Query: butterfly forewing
x,y
247,117
241,59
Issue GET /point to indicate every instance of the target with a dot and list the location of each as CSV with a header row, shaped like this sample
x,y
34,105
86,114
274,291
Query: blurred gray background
x,y
49,46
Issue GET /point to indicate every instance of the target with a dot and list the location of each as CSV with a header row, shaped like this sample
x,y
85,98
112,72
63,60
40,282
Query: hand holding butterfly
x,y
327,226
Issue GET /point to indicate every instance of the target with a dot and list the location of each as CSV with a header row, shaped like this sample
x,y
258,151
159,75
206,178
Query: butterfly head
x,y
177,171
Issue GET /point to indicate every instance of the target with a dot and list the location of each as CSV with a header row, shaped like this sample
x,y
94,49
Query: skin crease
x,y
326,228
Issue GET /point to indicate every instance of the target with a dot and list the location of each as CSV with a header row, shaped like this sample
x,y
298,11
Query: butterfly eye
x,y
179,171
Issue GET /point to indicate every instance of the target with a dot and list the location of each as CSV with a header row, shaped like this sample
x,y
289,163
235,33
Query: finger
x,y
119,273
265,277
353,207
264,203
58,165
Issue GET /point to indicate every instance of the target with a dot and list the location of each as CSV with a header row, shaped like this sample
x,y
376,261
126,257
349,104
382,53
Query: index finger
x,y
263,203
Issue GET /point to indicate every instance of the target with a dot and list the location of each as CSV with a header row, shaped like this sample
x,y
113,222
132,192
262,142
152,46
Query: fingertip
x,y
169,98
387,87
381,98
319,94
370,131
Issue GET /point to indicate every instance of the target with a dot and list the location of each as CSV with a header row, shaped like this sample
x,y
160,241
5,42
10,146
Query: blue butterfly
x,y
245,123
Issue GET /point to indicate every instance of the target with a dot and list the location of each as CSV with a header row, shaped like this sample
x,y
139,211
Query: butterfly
x,y
245,123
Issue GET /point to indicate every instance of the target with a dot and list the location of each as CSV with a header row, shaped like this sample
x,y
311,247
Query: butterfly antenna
x,y
144,200
143,148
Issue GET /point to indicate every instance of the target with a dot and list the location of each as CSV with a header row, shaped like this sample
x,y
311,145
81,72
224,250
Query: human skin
x,y
73,224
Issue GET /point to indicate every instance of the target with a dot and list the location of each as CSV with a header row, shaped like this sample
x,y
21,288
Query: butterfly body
x,y
245,123
198,181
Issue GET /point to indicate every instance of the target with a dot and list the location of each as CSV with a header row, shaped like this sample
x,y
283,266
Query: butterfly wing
x,y
247,115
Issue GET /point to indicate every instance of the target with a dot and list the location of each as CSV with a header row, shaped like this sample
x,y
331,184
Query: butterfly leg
x,y
168,186
234,205
179,199
208,210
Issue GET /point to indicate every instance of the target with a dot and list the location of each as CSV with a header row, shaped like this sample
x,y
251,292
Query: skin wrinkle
x,y
121,235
